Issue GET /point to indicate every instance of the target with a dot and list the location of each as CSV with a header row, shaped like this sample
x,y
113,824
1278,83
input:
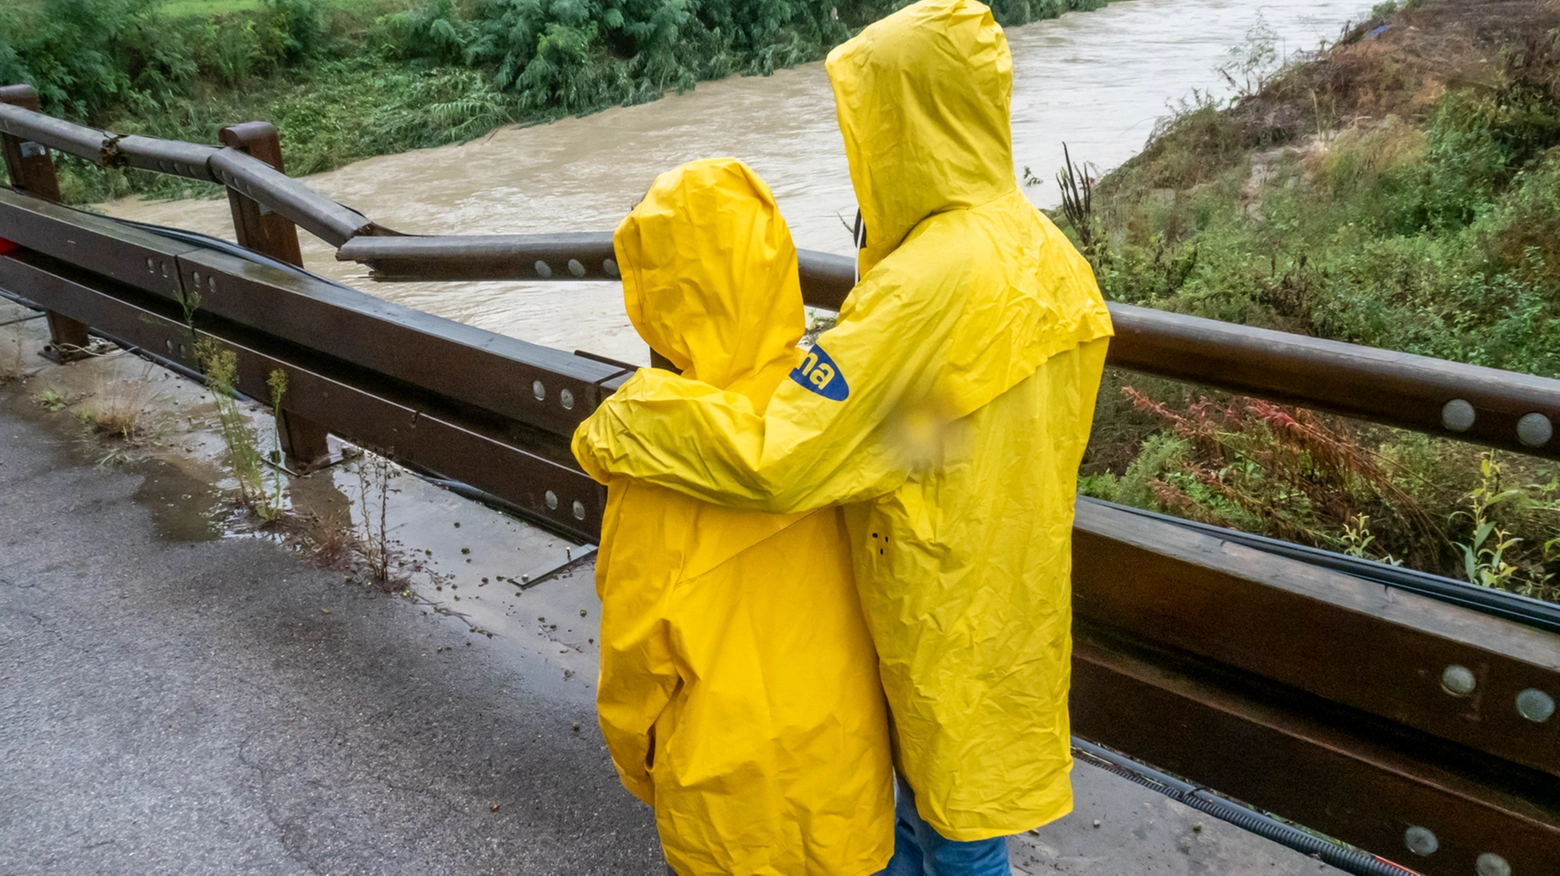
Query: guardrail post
x,y
303,440
258,228
32,170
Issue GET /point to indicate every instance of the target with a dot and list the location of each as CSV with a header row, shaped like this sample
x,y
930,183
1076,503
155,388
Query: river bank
x,y
1095,81
1397,190
349,79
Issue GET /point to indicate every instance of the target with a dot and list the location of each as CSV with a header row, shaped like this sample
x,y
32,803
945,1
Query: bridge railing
x,y
1363,701
1469,402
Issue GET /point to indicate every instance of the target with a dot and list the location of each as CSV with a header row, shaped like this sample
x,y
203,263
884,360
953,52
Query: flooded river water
x,y
1096,80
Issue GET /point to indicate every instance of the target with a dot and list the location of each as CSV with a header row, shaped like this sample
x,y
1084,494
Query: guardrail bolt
x,y
1458,681
1535,430
1535,705
258,228
1421,840
1458,415
1491,864
32,170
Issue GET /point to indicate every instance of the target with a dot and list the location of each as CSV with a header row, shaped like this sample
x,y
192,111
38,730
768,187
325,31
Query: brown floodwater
x,y
1096,81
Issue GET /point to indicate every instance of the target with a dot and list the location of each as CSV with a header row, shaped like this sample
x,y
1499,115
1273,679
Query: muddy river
x,y
1096,80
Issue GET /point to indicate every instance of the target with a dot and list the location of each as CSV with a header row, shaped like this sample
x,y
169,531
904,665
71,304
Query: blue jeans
x,y
919,850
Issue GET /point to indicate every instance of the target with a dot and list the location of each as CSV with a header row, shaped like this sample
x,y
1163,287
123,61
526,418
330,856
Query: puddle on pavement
x,y
462,558
184,507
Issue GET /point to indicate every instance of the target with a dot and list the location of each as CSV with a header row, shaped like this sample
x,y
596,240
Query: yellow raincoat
x,y
948,409
739,692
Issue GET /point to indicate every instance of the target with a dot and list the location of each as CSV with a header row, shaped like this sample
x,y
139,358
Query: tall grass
x,y
245,460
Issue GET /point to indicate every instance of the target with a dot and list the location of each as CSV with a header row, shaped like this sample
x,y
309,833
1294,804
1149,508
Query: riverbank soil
x,y
184,692
1399,189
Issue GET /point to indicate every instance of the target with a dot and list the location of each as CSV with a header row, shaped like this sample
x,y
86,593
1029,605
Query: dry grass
x,y
124,406
1359,82
328,539
1406,69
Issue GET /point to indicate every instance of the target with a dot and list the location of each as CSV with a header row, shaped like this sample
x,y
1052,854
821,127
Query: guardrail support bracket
x,y
304,441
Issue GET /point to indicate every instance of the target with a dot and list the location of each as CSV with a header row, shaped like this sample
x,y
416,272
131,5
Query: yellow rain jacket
x,y
739,692
948,409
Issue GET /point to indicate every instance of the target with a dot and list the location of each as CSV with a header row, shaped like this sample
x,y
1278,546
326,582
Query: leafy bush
x,y
85,56
1435,231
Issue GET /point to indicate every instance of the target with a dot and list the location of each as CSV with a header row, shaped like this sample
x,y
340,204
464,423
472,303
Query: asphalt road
x,y
220,707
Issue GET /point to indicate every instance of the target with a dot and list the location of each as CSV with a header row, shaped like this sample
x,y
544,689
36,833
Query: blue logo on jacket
x,y
819,374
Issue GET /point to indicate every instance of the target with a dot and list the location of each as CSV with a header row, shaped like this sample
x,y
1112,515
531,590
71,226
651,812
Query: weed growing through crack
x,y
276,382
244,457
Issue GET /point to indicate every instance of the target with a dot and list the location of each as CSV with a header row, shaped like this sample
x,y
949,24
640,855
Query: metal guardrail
x,y
1307,690
1472,403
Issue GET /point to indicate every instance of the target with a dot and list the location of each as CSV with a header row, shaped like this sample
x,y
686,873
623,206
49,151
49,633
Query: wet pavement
x,y
175,698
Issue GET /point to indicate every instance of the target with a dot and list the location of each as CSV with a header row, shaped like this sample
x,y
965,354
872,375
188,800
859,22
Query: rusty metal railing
x,y
1472,403
1300,687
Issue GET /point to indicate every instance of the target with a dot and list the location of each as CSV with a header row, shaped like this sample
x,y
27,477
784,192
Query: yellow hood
x,y
709,277
923,103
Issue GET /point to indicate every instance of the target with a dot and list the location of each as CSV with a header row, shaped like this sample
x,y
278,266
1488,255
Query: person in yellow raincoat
x,y
739,692
948,411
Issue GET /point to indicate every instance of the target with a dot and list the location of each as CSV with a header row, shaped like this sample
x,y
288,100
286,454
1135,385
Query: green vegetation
x,y
1399,190
346,79
245,461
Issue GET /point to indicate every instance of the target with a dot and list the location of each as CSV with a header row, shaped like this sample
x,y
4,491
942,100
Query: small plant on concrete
x,y
244,458
374,474
276,382
122,407
53,400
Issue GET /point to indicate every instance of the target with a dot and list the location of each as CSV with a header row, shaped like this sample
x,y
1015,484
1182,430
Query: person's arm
x,y
638,680
808,449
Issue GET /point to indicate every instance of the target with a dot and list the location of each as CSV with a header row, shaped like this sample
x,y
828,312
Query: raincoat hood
x,y
923,101
710,278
